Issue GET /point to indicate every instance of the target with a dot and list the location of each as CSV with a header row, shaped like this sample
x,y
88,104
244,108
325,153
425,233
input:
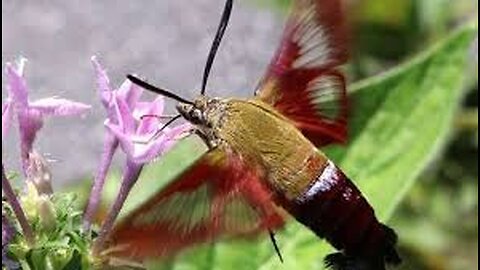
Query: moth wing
x,y
302,80
217,197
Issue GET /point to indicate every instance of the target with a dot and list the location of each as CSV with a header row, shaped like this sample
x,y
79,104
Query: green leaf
x,y
36,259
399,121
75,262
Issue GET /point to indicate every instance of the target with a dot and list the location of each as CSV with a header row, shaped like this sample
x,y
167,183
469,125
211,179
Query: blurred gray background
x,y
166,41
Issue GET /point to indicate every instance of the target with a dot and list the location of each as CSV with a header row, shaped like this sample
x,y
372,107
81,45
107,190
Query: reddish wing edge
x,y
302,81
217,197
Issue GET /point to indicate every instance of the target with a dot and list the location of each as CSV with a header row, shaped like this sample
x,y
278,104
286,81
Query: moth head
x,y
201,112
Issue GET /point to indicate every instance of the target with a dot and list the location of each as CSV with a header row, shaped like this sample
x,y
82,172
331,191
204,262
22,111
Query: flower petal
x,y
7,113
144,153
124,116
141,108
58,107
21,62
29,123
124,139
130,93
103,83
17,87
151,124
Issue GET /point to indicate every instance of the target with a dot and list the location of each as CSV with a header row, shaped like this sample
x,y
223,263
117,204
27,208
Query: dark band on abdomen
x,y
334,209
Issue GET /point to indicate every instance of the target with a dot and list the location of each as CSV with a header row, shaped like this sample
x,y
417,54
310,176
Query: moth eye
x,y
213,101
197,114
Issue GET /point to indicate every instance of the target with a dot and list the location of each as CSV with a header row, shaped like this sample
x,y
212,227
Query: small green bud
x,y
46,212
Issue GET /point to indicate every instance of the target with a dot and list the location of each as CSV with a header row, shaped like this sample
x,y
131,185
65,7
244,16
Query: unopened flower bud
x,y
47,213
39,207
39,174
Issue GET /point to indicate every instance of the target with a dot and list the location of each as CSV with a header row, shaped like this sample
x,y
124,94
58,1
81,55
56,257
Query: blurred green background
x,y
438,219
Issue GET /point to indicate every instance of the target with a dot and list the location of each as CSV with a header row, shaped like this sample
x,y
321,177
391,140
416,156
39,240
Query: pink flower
x,y
128,91
31,114
130,94
138,136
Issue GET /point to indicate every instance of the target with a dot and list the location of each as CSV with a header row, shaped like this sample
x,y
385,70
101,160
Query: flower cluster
x,y
132,125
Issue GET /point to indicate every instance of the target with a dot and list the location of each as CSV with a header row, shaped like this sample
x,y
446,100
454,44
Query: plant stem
x,y
109,147
17,209
130,176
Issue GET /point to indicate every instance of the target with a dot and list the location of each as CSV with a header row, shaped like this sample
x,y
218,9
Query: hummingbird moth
x,y
263,159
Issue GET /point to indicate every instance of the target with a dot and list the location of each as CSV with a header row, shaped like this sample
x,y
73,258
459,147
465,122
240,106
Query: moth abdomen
x,y
334,209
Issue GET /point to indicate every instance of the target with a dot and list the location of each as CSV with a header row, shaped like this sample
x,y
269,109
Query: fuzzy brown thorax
x,y
261,136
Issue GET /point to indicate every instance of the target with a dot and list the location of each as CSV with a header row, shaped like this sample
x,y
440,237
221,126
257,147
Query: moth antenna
x,y
274,242
156,116
156,90
216,42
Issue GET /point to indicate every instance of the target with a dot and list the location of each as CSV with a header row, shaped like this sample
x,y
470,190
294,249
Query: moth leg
x,y
157,134
211,143
274,242
157,116
159,131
